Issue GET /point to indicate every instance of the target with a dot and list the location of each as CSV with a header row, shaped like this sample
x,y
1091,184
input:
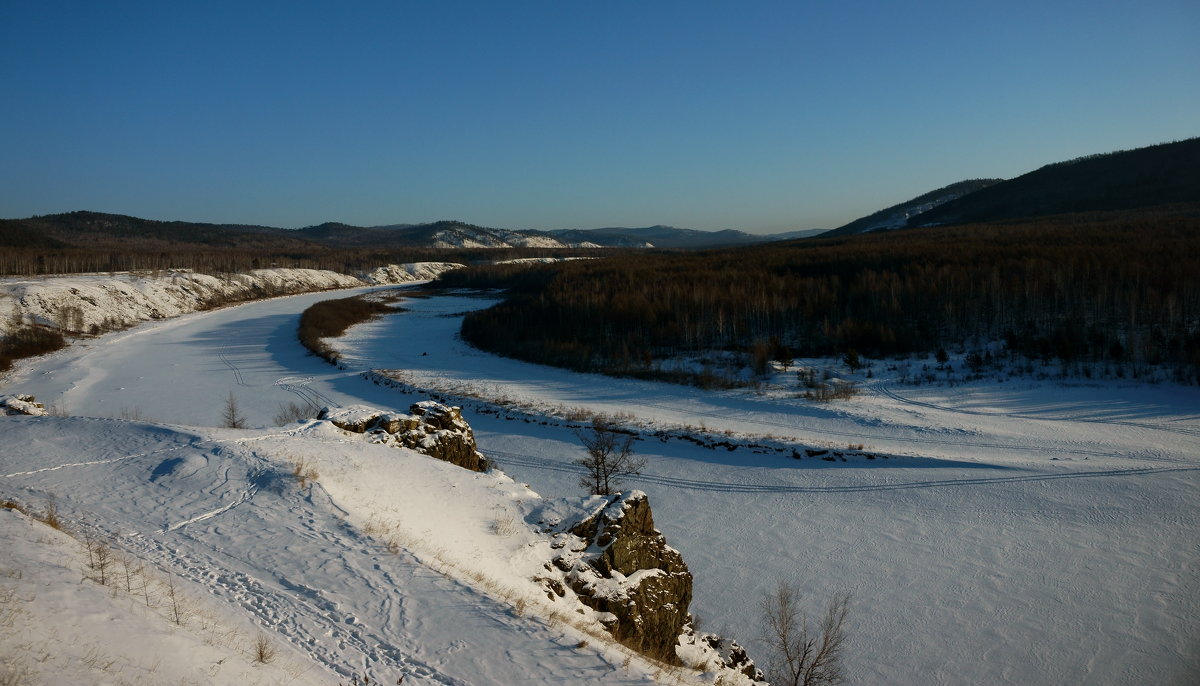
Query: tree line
x,y
1121,287
149,256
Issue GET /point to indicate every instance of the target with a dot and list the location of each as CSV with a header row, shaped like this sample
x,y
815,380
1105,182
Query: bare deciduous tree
x,y
802,655
609,457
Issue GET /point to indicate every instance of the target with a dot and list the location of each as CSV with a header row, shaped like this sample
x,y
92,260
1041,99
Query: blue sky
x,y
760,116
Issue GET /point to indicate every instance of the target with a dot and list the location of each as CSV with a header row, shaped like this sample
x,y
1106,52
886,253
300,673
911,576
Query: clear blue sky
x,y
761,116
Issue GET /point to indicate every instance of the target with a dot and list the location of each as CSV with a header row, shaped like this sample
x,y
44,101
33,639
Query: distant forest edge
x,y
1120,288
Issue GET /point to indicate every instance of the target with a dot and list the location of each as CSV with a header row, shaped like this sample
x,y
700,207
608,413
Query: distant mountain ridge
x,y
84,227
660,236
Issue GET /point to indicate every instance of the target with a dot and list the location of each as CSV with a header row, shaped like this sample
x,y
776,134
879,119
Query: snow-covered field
x,y
1025,532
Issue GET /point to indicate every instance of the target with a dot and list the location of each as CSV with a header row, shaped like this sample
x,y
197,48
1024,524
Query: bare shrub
x,y
294,412
504,526
178,614
264,650
577,414
50,515
304,472
127,566
102,560
802,655
832,390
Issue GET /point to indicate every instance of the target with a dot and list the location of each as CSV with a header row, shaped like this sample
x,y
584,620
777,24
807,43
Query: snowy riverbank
x,y
93,303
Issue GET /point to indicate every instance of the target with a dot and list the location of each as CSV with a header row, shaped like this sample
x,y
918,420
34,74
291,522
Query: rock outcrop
x,y
21,404
609,563
431,428
618,564
715,654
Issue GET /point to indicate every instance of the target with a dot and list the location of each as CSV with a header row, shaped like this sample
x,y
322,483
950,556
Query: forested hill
x,y
1130,179
897,216
1113,288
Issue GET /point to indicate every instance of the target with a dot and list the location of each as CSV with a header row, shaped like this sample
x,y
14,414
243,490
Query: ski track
x,y
917,440
237,373
729,487
246,496
329,629
97,462
882,389
311,396
303,616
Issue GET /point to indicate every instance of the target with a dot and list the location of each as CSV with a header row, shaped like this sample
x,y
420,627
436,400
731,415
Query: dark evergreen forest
x,y
1119,287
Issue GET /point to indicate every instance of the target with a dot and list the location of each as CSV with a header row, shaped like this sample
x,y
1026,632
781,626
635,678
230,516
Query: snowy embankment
x,y
93,303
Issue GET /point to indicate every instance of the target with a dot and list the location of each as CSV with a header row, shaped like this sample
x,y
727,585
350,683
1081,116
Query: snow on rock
x,y
21,404
432,429
619,564
93,303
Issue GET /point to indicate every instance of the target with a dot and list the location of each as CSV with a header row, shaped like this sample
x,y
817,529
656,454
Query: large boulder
x,y
431,428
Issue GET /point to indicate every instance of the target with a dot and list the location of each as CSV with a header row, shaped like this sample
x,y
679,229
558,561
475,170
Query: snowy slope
x,y
314,568
61,630
1023,533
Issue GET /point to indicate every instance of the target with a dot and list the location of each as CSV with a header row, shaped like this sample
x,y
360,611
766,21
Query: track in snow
x,y
729,487
882,388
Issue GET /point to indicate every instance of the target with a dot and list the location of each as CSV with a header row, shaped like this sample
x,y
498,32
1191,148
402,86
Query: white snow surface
x,y
352,571
1030,532
61,629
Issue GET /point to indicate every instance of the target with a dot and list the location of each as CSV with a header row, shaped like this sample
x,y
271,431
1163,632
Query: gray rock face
x,y
619,564
432,428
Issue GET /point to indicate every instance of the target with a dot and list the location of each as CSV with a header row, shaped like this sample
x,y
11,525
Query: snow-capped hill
x,y
467,236
477,237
